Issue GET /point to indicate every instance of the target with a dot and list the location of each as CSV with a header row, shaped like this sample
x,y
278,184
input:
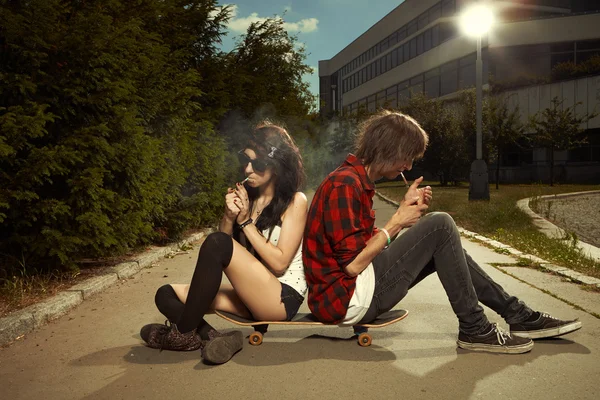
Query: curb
x,y
24,321
553,231
545,265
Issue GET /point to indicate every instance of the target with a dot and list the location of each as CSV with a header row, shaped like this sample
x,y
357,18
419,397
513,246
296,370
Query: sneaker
x,y
544,326
168,337
221,346
495,341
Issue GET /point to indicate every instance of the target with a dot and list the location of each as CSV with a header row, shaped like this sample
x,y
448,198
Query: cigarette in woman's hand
x,y
405,181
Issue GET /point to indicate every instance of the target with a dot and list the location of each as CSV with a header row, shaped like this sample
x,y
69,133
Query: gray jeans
x,y
433,245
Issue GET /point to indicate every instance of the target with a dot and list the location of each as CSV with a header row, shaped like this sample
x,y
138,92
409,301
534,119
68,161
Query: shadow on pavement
x,y
319,367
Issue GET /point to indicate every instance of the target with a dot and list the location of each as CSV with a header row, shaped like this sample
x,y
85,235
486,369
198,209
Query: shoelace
x,y
548,316
163,331
501,334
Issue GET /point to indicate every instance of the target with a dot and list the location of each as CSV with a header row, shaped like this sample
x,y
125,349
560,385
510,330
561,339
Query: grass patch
x,y
501,220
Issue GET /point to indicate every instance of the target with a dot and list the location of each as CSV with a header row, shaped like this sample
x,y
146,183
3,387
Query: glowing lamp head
x,y
476,20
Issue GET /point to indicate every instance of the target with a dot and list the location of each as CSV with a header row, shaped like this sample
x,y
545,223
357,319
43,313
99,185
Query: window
x,y
432,87
423,20
403,92
377,70
448,81
447,8
411,27
394,58
420,45
360,78
381,98
388,61
400,54
385,44
466,76
435,12
413,48
369,72
435,36
392,90
406,51
447,31
393,39
401,34
427,40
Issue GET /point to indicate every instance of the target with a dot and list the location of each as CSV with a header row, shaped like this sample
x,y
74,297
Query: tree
x,y
446,155
266,69
103,139
559,128
502,127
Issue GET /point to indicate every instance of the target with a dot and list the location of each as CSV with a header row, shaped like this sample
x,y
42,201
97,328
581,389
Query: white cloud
x,y
304,25
241,24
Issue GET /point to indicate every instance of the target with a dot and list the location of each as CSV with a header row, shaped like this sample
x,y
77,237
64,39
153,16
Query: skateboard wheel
x,y
256,339
364,339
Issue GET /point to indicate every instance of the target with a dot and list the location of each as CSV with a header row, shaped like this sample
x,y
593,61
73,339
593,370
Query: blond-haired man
x,y
355,272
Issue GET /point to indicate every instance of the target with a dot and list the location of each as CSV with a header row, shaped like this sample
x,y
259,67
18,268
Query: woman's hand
x,y
242,202
231,209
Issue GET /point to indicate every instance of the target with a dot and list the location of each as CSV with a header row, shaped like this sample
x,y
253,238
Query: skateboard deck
x,y
364,338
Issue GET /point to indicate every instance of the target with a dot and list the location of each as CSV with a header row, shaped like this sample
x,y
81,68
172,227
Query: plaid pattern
x,y
340,222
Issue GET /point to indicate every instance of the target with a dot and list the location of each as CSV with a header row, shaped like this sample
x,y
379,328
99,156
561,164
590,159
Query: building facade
x,y
418,48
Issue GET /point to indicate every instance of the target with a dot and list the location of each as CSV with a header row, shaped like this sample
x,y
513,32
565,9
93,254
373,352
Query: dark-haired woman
x,y
258,248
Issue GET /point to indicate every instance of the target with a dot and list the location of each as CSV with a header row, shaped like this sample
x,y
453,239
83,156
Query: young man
x,y
355,272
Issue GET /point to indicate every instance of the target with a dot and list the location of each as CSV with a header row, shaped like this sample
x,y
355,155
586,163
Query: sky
x,y
325,27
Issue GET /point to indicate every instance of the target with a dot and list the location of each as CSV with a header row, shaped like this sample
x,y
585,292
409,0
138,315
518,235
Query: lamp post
x,y
475,22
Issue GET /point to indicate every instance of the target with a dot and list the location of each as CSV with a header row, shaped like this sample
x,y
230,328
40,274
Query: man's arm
x,y
406,215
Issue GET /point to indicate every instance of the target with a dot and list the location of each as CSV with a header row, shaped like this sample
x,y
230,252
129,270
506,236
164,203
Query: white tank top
x,y
294,275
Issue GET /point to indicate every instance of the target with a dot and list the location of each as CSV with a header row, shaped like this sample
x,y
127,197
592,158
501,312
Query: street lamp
x,y
475,22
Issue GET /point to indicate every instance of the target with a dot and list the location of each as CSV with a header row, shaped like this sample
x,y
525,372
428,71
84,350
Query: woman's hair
x,y
389,137
273,144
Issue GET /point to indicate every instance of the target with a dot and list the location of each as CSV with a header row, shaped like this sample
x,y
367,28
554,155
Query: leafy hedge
x,y
104,143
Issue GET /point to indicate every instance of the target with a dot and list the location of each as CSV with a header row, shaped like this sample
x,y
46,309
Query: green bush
x,y
103,143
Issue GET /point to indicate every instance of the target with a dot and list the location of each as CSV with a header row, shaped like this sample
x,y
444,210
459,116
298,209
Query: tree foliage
x,y
108,116
503,128
559,128
446,155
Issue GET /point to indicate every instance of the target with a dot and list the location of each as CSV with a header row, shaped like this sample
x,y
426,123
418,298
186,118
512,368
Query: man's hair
x,y
389,137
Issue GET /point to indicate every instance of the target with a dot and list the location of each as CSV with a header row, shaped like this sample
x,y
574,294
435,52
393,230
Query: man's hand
x,y
407,214
424,194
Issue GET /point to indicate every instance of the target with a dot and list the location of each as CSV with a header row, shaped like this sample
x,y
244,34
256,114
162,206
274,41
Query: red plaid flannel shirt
x,y
340,222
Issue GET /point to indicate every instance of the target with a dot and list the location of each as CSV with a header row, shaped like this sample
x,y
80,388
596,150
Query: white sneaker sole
x,y
550,332
524,348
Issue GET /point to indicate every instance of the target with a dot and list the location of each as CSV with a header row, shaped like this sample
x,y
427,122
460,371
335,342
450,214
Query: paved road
x,y
95,352
575,214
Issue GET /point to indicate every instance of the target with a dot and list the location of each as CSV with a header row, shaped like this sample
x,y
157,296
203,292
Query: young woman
x,y
258,248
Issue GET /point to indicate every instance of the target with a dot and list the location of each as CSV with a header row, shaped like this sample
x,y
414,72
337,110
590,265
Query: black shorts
x,y
291,299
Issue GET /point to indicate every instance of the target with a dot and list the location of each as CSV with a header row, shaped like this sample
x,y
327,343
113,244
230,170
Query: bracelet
x,y
244,224
389,239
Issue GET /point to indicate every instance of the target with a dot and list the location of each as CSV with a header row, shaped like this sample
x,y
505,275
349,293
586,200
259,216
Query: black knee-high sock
x,y
215,255
168,303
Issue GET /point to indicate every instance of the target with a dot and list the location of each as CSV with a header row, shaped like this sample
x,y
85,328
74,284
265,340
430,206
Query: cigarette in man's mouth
x,y
403,178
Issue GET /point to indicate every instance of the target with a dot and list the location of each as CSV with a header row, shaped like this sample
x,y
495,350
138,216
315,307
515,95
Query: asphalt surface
x,y
95,352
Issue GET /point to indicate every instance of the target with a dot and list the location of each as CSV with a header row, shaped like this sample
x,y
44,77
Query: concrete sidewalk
x,y
95,352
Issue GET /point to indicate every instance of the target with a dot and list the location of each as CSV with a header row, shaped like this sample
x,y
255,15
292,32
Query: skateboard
x,y
362,331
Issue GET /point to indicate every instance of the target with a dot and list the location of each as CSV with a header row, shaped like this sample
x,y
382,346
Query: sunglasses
x,y
258,165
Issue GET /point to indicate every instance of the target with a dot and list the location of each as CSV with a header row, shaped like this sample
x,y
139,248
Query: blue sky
x,y
324,26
